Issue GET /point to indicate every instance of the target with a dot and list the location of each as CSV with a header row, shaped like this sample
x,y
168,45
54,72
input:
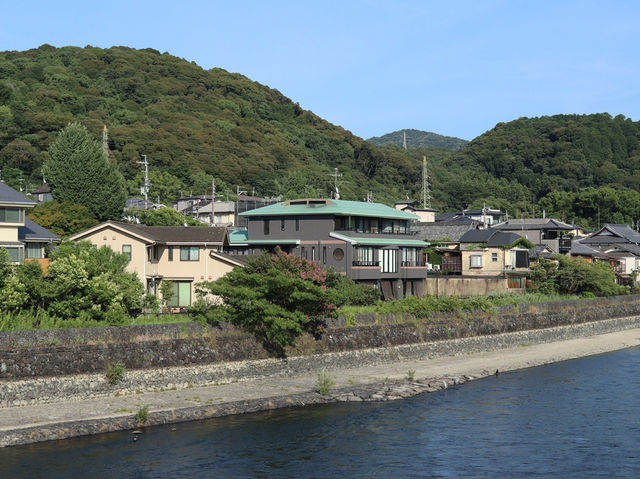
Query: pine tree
x,y
78,171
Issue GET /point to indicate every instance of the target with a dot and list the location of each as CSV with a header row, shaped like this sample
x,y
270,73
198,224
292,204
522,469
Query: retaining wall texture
x,y
23,355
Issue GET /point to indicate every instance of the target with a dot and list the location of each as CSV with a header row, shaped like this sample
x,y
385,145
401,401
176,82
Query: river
x,y
577,418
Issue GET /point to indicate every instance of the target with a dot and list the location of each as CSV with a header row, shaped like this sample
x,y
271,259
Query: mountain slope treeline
x,y
195,125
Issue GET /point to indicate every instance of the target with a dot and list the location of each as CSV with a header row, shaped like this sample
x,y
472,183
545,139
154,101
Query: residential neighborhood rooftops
x,y
10,196
313,206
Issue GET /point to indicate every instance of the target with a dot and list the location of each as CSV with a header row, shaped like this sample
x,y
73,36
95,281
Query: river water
x,y
578,418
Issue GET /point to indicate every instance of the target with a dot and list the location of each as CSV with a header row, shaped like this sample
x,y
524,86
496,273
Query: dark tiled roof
x,y
178,234
32,231
490,237
503,239
533,224
9,195
43,189
477,236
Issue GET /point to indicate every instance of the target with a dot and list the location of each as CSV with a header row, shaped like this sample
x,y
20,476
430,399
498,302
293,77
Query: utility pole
x,y
336,186
213,201
238,193
426,193
146,185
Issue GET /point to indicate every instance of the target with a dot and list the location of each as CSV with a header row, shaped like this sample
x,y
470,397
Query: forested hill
x,y
194,124
419,139
190,122
573,166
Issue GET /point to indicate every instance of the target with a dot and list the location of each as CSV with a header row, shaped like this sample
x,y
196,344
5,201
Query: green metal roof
x,y
238,237
330,207
368,241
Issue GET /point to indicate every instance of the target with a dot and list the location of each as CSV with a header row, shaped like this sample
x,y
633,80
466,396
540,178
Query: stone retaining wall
x,y
78,387
191,344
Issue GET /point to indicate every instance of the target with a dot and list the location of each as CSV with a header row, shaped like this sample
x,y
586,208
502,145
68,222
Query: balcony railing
x,y
401,232
366,263
412,263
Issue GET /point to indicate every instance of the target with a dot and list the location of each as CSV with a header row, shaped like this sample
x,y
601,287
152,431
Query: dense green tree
x,y
163,217
567,275
78,171
63,219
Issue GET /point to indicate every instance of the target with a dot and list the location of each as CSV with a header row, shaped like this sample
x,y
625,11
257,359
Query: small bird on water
x,y
496,372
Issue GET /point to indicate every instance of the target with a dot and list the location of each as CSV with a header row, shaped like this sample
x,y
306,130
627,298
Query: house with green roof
x,y
369,242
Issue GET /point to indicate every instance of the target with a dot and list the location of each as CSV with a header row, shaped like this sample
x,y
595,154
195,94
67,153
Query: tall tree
x,y
78,171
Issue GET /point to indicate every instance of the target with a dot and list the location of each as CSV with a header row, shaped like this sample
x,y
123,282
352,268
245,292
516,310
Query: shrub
x,y
276,297
115,373
142,416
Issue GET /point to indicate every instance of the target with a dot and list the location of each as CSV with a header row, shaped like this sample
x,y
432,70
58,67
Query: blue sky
x,y
452,67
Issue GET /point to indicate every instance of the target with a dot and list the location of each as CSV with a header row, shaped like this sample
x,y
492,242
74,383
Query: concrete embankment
x,y
50,408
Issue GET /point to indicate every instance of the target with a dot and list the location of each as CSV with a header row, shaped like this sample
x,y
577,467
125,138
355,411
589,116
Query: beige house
x,y
19,236
184,255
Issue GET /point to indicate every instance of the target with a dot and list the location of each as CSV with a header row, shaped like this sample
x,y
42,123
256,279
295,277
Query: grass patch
x,y
142,416
324,383
423,308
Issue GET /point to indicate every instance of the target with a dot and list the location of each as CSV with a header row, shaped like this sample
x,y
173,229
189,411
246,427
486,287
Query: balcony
x,y
409,264
366,263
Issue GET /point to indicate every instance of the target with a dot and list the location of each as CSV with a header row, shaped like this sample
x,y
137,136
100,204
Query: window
x,y
265,226
126,250
189,253
297,224
366,256
181,294
324,255
410,257
476,261
303,252
494,257
313,253
338,254
389,260
152,253
170,253
15,254
386,226
11,215
282,224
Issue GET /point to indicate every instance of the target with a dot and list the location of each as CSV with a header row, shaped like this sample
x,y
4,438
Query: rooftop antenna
x,y
213,201
21,180
426,193
336,186
145,186
370,197
404,139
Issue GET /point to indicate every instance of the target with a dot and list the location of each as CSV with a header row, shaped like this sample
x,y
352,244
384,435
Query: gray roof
x,y
578,248
490,237
438,231
533,224
32,231
631,248
177,234
9,195
613,233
